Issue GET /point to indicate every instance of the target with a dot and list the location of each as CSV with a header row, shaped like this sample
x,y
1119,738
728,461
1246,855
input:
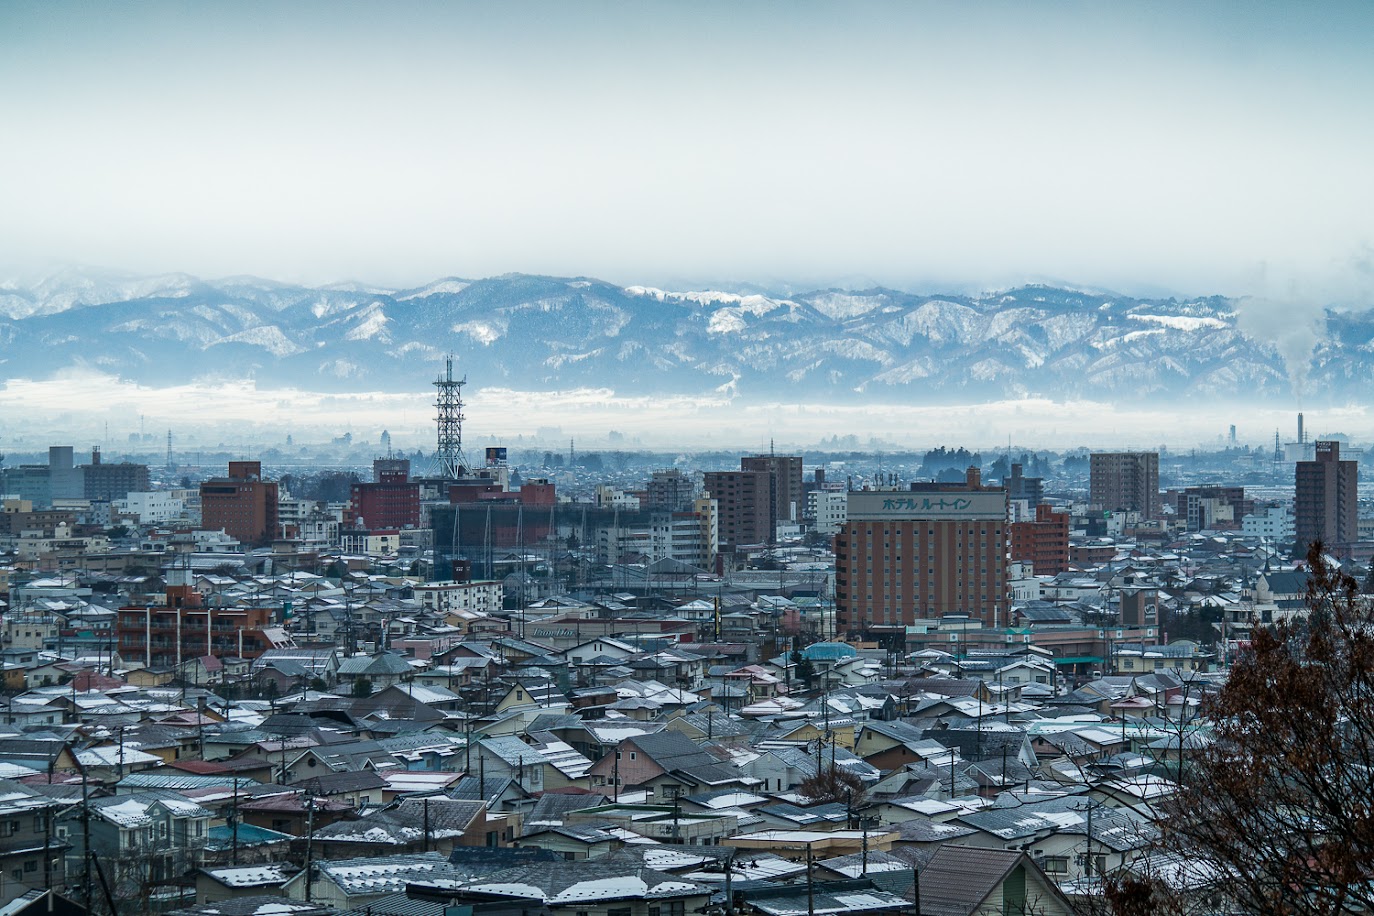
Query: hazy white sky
x,y
1192,147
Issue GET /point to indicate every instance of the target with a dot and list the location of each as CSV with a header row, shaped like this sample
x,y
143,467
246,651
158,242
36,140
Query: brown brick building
x,y
933,550
1044,543
745,500
767,489
243,504
392,500
1326,506
788,500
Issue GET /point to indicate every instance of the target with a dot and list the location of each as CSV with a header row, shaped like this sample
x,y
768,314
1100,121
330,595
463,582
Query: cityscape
x,y
762,683
642,458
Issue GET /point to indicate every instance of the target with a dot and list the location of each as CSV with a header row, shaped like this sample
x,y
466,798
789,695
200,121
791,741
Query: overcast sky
x,y
1199,148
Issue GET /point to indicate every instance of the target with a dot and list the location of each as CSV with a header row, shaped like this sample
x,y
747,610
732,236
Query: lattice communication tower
x,y
449,461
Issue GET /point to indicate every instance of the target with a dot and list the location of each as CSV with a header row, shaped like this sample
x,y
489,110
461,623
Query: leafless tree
x,y
834,784
1280,807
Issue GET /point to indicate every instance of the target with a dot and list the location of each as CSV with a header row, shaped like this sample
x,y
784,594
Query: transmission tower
x,y
449,461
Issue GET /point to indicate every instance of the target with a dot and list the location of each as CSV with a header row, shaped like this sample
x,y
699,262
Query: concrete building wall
x,y
1125,482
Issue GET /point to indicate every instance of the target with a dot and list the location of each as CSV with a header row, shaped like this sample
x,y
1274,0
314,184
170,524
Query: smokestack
x,y
1300,438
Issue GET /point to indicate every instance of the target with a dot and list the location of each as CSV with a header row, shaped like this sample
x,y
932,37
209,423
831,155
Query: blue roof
x,y
828,651
223,837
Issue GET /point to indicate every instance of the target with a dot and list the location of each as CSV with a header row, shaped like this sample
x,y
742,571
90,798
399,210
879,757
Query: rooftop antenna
x,y
449,462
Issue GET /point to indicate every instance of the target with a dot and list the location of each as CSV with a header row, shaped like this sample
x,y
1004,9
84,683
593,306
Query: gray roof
x,y
552,807
404,825
369,875
584,882
471,788
512,751
844,899
1011,818
959,878
382,664
830,813
340,782
901,732
260,905
680,755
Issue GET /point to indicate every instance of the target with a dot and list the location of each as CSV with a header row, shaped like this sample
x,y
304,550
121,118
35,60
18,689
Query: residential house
x,y
380,670
359,788
414,825
214,885
352,884
31,847
665,765
964,881
143,839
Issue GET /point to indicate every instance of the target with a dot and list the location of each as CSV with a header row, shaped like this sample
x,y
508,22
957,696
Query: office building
x,y
745,500
43,483
242,504
1031,489
1125,482
1273,523
1326,506
670,490
108,482
931,551
828,509
785,473
766,490
391,501
1210,507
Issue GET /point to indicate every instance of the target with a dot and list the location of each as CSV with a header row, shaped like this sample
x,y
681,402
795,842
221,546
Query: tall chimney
x,y
1300,438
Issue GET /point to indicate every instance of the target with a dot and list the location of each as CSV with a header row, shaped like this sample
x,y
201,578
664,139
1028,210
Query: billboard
x,y
881,505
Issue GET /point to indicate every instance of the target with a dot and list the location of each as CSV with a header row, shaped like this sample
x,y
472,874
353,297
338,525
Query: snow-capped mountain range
x,y
546,333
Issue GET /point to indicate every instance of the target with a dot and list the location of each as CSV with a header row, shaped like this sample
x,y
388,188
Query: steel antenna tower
x,y
449,461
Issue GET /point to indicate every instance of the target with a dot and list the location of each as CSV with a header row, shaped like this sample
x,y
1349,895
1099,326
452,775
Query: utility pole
x,y
234,824
47,846
309,841
86,833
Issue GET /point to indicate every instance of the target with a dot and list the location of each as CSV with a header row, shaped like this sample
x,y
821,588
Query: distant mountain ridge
x,y
546,333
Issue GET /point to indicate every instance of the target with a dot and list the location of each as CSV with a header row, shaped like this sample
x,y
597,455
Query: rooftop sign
x,y
865,505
